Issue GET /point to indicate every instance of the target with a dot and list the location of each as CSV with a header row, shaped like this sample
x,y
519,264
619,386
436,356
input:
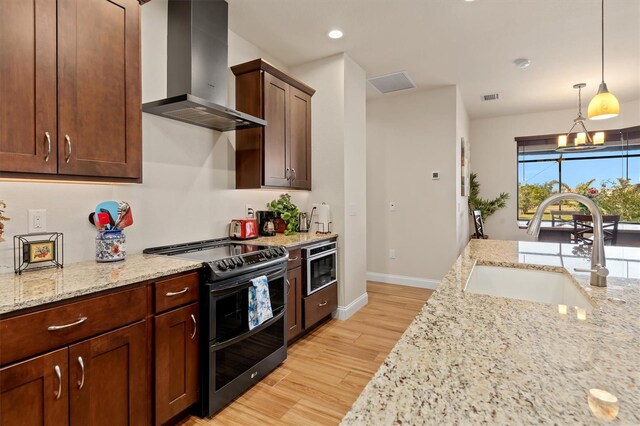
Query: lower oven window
x,y
235,359
232,310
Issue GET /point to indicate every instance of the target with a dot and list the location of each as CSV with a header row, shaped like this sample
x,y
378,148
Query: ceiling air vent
x,y
392,82
490,97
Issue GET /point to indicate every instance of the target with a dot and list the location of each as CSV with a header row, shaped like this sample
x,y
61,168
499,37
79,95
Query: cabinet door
x,y
294,303
99,99
299,138
276,155
107,379
28,86
35,392
176,359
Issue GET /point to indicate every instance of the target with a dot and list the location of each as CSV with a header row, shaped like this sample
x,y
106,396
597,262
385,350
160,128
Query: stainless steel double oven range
x,y
232,357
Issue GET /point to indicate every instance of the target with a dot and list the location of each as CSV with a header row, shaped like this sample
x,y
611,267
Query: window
x,y
610,176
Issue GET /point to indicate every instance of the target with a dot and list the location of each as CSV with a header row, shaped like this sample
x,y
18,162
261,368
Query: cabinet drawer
x,y
176,291
40,331
320,304
295,258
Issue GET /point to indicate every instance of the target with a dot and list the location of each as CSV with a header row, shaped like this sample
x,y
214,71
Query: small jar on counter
x,y
111,246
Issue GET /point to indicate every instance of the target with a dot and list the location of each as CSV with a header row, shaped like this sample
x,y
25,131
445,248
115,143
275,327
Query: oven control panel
x,y
246,260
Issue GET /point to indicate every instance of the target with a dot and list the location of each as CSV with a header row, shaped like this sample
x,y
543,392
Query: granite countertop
x,y
34,288
475,359
296,239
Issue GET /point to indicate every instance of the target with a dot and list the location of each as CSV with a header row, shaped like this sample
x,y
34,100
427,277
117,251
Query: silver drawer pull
x,y
47,138
177,293
323,304
195,326
288,287
68,142
81,381
62,327
293,259
59,376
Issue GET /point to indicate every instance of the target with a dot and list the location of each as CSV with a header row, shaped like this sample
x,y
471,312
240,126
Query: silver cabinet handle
x,y
67,139
59,376
195,326
294,174
288,287
287,174
177,293
293,259
81,381
322,304
61,327
47,138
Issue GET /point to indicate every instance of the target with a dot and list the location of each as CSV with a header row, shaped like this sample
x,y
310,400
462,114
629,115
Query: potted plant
x,y
284,209
2,218
487,207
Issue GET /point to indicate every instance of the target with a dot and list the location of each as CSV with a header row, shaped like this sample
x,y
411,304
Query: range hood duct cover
x,y
197,70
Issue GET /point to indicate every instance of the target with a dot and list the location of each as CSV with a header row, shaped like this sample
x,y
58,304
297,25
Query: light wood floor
x,y
326,370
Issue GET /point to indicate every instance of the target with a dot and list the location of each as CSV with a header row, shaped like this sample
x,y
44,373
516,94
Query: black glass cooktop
x,y
206,251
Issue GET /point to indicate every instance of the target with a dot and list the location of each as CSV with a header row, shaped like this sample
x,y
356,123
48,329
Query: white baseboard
x,y
344,312
403,280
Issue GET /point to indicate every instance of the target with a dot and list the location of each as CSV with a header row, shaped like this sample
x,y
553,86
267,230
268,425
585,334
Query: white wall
x,y
493,155
408,137
338,140
189,172
462,206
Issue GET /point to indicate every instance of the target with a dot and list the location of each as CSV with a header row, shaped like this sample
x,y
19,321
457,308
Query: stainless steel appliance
x,y
266,223
232,357
304,222
320,265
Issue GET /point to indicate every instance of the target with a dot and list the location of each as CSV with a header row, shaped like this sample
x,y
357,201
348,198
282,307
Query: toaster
x,y
243,229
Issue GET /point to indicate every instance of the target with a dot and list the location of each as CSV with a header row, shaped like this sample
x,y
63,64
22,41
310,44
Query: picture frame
x,y
464,167
37,251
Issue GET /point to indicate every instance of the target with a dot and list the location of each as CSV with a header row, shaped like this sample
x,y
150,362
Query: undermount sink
x,y
527,284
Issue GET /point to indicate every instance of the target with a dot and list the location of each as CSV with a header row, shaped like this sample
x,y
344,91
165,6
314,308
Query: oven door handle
x,y
221,345
323,254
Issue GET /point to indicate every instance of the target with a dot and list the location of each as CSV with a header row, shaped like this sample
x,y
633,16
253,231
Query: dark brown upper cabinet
x,y
278,155
70,89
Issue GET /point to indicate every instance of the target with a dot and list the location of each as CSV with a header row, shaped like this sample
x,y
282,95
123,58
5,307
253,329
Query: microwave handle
x,y
323,254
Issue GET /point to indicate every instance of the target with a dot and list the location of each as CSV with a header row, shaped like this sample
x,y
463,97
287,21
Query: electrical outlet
x,y
37,221
249,211
435,175
392,253
392,206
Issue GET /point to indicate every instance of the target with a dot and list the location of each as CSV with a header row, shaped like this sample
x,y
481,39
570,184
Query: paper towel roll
x,y
324,217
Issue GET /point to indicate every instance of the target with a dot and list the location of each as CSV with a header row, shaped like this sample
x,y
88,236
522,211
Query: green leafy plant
x,y
287,211
621,197
487,207
532,194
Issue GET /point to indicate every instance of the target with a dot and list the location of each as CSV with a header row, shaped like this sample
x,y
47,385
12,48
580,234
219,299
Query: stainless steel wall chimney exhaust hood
x,y
197,68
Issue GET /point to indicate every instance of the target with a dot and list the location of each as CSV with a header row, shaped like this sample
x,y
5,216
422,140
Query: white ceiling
x,y
471,44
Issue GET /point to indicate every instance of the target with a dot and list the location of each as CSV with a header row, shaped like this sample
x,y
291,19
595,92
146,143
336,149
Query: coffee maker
x,y
266,223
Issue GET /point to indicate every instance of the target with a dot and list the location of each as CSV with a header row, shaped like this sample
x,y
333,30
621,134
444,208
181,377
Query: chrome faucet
x,y
598,269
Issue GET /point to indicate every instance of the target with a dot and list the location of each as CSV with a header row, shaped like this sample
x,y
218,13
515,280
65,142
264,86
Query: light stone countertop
x,y
35,288
296,239
476,359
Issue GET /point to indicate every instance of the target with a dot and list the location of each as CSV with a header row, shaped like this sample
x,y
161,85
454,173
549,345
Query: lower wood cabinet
x,y
176,362
35,392
99,381
294,303
320,304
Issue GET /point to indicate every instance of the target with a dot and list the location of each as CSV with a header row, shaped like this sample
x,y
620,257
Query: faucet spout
x,y
598,269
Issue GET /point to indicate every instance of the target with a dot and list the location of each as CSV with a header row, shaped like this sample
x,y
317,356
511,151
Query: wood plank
x,y
327,369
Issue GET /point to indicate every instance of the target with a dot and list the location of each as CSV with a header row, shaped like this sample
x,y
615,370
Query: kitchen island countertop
x,y
36,288
475,359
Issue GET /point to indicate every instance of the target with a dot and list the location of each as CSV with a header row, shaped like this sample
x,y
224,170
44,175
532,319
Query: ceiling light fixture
x,y
604,104
582,140
522,63
335,34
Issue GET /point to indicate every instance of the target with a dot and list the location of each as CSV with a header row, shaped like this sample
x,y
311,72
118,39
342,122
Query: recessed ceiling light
x,y
335,34
522,63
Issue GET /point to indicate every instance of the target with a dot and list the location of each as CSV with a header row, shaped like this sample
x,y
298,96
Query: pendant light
x,y
604,104
582,140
